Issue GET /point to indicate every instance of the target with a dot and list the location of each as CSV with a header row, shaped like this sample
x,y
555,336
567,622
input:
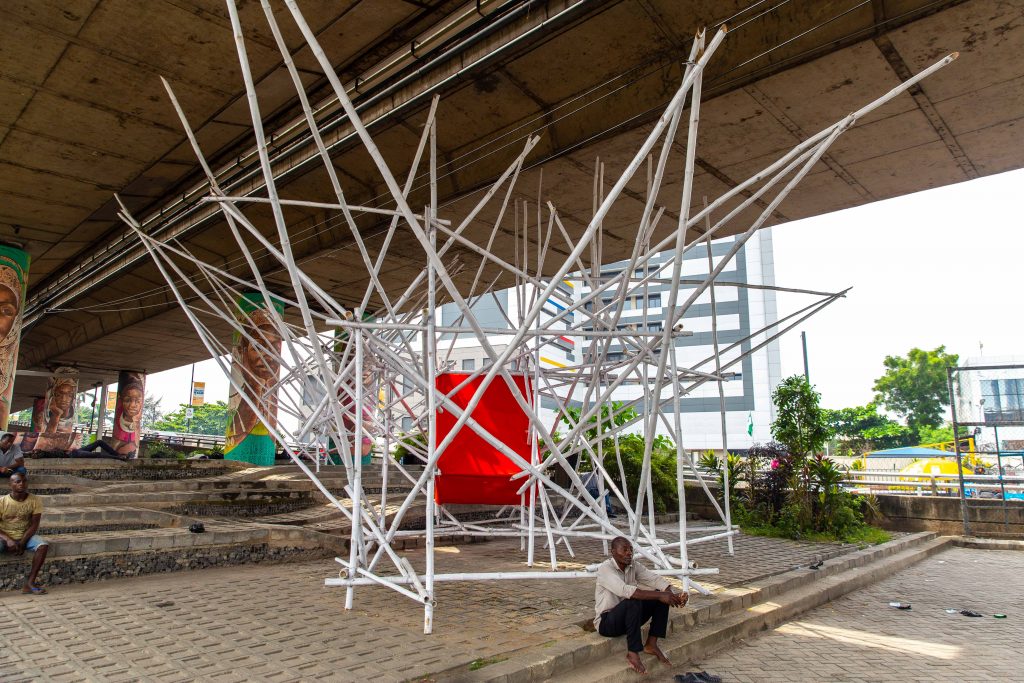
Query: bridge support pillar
x,y
255,367
13,279
127,428
38,413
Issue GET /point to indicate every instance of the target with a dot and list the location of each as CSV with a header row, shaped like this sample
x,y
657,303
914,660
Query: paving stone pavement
x,y
860,638
279,623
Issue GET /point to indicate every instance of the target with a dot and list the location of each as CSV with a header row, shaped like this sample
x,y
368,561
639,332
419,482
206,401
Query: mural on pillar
x,y
13,281
54,421
255,365
38,410
350,413
59,414
131,395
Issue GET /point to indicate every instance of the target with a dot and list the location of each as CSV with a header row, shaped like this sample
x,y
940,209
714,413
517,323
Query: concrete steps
x,y
88,554
101,523
710,624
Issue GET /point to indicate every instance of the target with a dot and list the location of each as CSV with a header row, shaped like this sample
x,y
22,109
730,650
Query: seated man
x,y
11,458
20,512
627,595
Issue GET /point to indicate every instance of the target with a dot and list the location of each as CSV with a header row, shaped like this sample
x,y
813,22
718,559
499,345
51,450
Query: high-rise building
x,y
742,313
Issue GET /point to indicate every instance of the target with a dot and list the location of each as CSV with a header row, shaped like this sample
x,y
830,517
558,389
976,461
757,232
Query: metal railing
x,y
1004,487
1009,486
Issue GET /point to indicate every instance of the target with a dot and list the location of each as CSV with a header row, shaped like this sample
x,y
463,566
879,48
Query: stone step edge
x,y
573,653
716,635
139,541
989,543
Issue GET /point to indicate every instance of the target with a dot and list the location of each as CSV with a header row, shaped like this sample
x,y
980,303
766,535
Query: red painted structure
x,y
472,470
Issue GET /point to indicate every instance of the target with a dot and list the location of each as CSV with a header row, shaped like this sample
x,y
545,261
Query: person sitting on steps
x,y
626,596
20,514
11,458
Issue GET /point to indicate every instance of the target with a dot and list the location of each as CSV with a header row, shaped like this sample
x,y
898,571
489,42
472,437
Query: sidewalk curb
x,y
737,613
988,543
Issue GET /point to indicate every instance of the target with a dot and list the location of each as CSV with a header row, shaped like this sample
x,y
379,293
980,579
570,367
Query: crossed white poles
x,y
393,344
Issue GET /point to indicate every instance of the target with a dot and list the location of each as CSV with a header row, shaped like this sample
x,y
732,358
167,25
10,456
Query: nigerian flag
x,y
750,424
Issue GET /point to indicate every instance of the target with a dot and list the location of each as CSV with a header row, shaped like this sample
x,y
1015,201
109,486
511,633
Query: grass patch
x,y
486,661
864,535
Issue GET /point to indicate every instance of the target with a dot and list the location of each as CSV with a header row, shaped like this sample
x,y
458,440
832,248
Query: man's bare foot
x,y
653,649
634,661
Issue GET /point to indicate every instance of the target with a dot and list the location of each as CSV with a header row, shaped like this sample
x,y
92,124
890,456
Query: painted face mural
x,y
352,413
13,276
131,396
59,414
254,367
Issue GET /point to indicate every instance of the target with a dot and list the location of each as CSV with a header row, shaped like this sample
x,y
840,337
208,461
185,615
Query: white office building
x,y
741,312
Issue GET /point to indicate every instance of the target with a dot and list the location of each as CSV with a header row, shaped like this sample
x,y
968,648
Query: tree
x,y
930,435
209,418
800,421
151,411
915,387
862,428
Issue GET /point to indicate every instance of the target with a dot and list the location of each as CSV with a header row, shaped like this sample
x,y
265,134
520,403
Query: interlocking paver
x,y
860,638
279,622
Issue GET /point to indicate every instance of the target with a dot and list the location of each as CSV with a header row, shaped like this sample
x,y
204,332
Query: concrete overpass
x,y
83,115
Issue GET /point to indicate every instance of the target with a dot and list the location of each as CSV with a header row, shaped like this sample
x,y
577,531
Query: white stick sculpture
x,y
395,347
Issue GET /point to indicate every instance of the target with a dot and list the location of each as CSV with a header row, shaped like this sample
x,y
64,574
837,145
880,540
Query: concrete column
x,y
60,411
127,427
255,369
38,408
13,281
101,419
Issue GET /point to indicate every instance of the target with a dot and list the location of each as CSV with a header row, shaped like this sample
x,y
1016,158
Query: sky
x,y
940,267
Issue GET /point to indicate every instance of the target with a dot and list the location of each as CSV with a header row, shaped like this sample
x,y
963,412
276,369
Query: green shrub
x,y
412,443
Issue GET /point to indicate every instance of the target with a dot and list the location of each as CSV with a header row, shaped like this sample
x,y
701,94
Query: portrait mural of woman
x,y
131,395
59,414
13,281
255,367
351,413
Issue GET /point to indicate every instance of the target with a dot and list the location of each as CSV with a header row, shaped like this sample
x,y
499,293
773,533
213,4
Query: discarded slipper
x,y
697,677
33,590
970,613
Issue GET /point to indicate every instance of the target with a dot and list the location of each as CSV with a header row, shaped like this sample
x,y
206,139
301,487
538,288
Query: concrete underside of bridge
x,y
83,115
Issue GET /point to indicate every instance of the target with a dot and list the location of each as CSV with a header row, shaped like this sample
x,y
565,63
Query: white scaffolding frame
x,y
392,350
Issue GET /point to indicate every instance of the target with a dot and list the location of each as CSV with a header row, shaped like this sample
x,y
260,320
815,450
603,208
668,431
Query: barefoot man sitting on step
x,y
629,594
20,512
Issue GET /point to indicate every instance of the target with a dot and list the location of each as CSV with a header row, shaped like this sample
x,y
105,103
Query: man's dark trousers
x,y
629,615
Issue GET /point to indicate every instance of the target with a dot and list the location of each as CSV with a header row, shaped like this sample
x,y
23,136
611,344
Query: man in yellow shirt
x,y
20,513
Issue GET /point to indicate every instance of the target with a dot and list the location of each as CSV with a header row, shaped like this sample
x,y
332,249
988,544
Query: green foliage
x,y
158,449
151,411
413,442
663,468
477,664
935,434
22,417
800,422
737,469
799,497
862,428
209,418
915,387
611,415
